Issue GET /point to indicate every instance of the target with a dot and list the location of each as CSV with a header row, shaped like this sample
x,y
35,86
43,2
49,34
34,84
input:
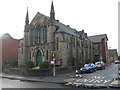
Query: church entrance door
x,y
38,58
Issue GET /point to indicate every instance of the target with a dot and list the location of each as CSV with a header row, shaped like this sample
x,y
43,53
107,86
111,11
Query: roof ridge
x,y
97,35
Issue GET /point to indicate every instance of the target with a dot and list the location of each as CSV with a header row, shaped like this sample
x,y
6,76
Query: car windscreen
x,y
97,63
87,65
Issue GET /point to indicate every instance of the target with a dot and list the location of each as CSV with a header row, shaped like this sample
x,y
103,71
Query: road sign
x,y
52,62
53,55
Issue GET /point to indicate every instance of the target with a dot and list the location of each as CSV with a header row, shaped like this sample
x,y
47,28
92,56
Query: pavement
x,y
65,79
58,79
115,83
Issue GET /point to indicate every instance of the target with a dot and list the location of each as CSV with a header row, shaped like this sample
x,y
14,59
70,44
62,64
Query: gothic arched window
x,y
57,43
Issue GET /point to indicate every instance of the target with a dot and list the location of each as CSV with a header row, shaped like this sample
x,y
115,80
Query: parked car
x,y
100,65
88,68
117,62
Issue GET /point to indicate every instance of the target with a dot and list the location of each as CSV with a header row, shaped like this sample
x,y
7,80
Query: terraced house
x,y
100,47
46,38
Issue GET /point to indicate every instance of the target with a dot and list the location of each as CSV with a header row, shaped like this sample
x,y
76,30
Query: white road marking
x,y
95,79
98,77
91,80
85,80
98,81
78,80
106,81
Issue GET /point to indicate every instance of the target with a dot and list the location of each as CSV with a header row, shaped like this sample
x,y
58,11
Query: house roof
x,y
7,35
98,38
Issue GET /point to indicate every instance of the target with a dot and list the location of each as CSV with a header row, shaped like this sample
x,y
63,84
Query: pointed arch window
x,y
67,43
45,34
47,54
57,43
31,37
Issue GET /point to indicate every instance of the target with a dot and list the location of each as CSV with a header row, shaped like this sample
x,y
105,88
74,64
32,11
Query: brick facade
x,y
100,47
9,48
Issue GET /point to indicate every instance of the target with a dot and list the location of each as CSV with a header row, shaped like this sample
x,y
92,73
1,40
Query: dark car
x,y
88,68
100,65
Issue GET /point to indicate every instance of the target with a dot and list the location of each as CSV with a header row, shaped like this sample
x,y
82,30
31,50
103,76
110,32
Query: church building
x,y
47,39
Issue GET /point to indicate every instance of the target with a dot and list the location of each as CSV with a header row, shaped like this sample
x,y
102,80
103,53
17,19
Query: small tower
x,y
51,29
52,12
26,38
27,21
27,18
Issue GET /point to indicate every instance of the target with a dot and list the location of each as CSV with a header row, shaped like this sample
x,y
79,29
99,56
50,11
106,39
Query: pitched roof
x,y
66,29
40,18
7,35
97,38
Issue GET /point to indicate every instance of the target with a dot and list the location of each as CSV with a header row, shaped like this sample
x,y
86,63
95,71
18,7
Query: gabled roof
x,y
40,18
98,38
7,35
66,29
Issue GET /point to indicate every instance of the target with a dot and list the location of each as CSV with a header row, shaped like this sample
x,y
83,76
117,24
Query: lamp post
x,y
54,67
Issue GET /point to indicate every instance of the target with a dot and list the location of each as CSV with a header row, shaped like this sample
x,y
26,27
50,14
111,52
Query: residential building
x,y
8,48
100,47
113,55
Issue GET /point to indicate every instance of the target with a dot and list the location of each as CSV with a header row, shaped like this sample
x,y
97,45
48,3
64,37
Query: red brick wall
x,y
9,48
104,50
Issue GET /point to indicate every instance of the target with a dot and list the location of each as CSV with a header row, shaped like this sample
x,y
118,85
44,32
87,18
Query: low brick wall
x,y
37,72
29,72
62,70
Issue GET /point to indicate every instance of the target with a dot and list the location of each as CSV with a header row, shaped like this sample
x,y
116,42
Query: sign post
x,y
53,62
54,67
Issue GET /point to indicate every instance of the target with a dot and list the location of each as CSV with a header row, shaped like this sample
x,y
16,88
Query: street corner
x,y
115,84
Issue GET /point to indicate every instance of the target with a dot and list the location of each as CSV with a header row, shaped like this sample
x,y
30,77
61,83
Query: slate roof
x,y
97,38
40,18
66,29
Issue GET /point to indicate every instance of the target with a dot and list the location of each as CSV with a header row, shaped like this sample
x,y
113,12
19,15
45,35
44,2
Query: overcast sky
x,y
94,16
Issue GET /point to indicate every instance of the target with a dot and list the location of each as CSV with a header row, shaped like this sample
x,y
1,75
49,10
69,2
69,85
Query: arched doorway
x,y
38,58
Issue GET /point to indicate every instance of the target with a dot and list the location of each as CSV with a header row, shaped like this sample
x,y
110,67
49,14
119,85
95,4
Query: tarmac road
x,y
100,77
